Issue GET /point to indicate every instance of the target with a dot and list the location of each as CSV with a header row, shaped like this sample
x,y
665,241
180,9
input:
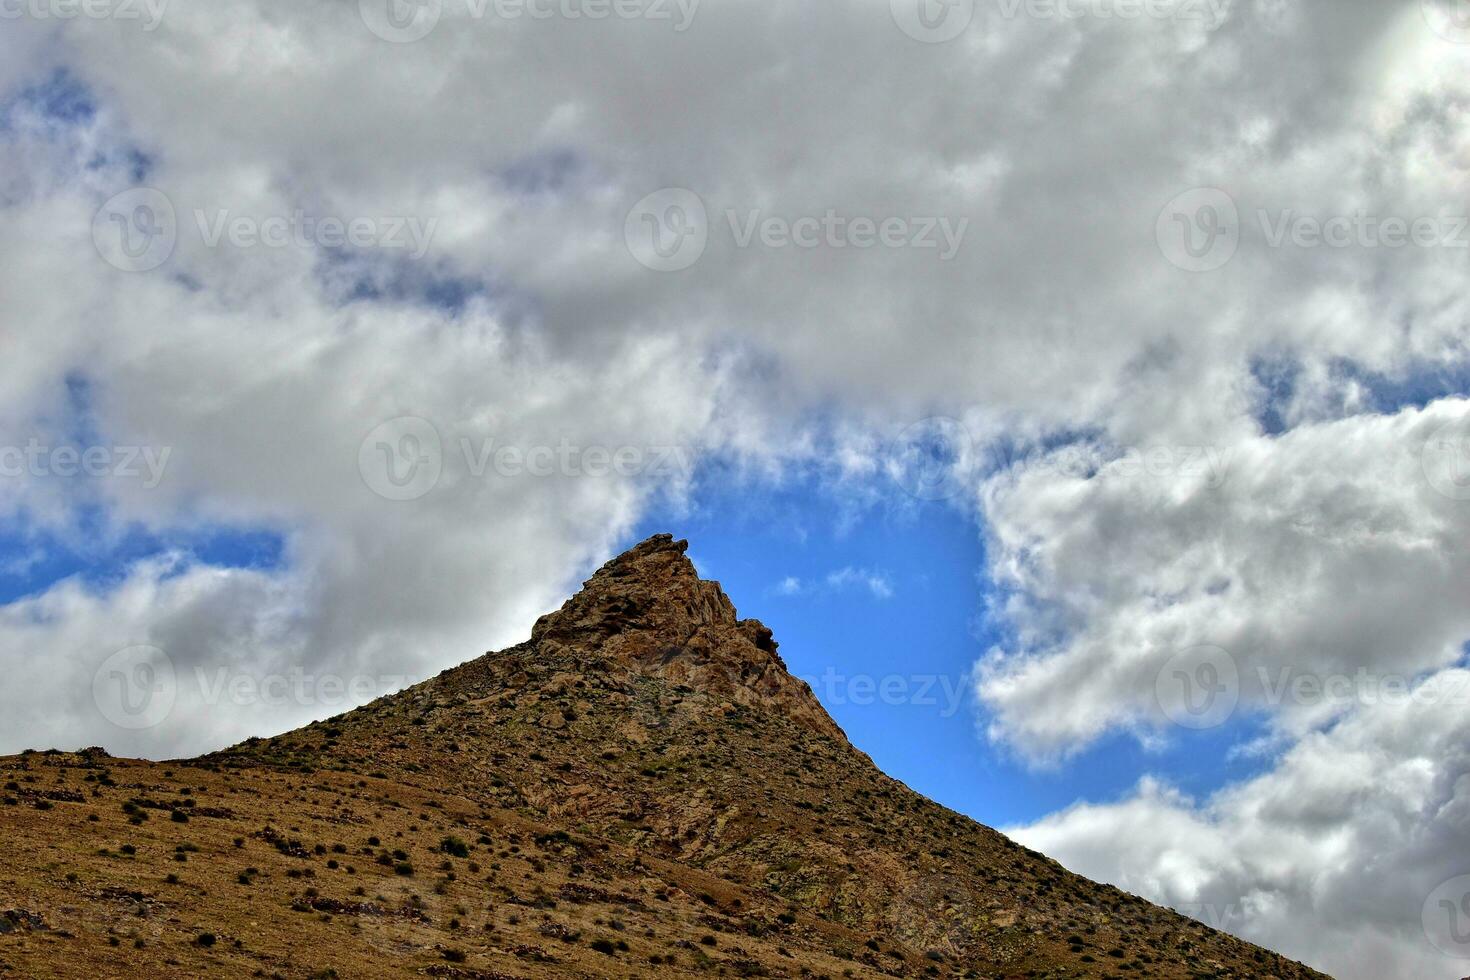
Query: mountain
x,y
641,789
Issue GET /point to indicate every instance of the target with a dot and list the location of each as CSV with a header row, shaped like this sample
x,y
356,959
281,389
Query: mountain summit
x,y
650,610
640,789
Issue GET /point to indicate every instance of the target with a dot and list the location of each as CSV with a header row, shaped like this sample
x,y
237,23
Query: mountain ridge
x,y
639,789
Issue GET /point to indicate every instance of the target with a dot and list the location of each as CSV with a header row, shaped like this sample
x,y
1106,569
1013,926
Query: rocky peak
x,y
652,586
649,610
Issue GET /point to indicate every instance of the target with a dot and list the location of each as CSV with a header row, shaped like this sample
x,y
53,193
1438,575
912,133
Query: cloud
x,y
1063,328
845,579
848,577
1331,550
790,585
268,396
1331,856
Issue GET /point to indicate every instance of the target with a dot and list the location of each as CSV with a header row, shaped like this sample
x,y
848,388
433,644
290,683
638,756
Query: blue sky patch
x,y
892,666
1413,389
32,562
61,98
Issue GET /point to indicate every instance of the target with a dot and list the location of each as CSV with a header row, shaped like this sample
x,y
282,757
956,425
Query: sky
x,y
1079,390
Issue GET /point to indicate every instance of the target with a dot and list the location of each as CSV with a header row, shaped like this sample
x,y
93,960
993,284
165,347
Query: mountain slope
x,y
641,789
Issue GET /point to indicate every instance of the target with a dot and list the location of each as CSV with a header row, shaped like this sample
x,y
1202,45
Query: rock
x,y
21,920
650,612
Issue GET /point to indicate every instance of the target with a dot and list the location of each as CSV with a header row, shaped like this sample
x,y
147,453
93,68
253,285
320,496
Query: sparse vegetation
x,y
629,818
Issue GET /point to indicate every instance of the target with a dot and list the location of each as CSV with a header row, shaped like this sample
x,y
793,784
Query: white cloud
x,y
1330,550
790,585
1323,571
845,579
1330,856
848,577
264,369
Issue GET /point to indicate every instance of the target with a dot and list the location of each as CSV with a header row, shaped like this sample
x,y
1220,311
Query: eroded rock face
x,y
649,610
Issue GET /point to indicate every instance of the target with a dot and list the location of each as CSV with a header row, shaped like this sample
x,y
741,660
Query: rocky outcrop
x,y
649,610
639,790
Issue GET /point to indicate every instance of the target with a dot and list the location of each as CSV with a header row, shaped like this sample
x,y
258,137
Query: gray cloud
x,y
529,321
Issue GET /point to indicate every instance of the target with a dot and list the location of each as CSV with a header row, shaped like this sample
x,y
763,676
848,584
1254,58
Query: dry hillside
x,y
639,790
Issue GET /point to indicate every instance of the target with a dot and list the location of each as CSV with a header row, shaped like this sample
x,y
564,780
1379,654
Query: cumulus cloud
x,y
1352,831
444,442
1333,551
1308,586
270,399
